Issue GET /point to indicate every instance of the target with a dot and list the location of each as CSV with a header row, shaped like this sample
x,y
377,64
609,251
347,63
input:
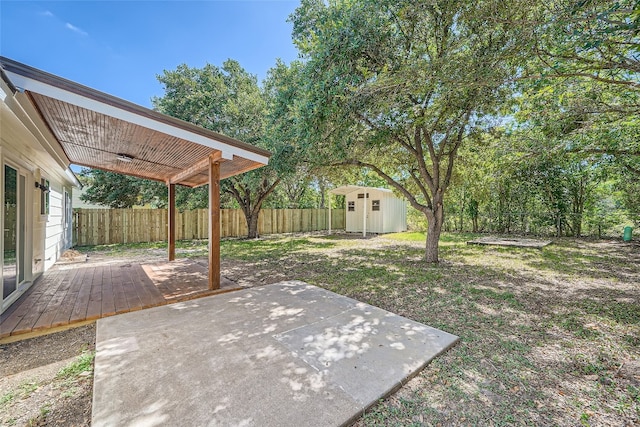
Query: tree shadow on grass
x,y
531,343
270,249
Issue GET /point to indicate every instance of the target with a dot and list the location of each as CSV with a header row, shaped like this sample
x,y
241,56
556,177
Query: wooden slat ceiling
x,y
95,140
94,129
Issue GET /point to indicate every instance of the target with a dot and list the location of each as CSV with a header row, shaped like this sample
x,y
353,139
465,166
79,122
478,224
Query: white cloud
x,y
75,29
48,13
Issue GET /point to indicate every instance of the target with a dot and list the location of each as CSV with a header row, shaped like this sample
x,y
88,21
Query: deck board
x,y
31,317
148,293
119,298
63,313
108,297
79,311
94,308
133,300
72,293
46,319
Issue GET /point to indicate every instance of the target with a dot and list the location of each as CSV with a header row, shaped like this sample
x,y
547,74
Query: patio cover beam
x,y
195,169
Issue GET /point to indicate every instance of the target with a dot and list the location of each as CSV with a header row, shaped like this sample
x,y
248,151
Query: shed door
x,y
358,218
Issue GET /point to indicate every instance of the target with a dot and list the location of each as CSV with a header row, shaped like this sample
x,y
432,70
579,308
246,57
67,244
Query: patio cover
x,y
100,131
80,125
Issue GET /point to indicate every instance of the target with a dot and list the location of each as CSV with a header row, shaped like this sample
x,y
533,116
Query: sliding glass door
x,y
13,267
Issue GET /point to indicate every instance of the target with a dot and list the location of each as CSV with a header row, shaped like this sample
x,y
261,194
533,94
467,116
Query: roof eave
x,y
24,77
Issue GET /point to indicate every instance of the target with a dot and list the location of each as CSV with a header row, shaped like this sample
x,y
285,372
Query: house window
x,y
44,197
361,196
351,206
66,209
375,205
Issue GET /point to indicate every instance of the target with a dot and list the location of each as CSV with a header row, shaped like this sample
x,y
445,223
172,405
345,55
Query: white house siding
x,y
56,240
355,219
22,148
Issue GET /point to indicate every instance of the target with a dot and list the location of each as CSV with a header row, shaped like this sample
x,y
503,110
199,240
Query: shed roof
x,y
348,189
100,131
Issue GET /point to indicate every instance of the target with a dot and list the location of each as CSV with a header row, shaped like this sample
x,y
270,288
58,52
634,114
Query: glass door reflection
x,y
9,267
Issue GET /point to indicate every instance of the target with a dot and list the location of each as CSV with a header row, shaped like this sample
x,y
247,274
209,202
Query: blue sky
x,y
119,47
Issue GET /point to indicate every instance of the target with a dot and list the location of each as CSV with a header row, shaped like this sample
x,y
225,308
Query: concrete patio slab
x,y
288,354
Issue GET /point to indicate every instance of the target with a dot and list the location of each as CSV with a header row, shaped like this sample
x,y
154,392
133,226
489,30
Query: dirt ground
x,y
32,392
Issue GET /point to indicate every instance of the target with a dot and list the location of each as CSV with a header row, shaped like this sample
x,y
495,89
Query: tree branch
x,y
263,196
410,197
422,188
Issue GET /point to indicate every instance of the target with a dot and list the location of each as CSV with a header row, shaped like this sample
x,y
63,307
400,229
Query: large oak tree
x,y
397,86
230,101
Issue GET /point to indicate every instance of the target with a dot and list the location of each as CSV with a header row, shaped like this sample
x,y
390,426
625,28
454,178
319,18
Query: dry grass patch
x,y
549,336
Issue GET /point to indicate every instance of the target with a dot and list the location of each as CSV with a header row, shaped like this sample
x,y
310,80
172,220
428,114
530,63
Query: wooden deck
x,y
74,293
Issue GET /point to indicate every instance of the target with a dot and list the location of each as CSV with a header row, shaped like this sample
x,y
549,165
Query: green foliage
x,y
83,363
516,116
115,190
112,189
580,98
398,86
6,398
228,100
596,39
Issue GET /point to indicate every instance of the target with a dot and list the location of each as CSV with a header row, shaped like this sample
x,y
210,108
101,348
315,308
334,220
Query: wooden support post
x,y
214,222
329,212
171,222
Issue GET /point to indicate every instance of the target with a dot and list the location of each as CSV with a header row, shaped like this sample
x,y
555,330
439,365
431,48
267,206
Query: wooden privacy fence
x,y
110,226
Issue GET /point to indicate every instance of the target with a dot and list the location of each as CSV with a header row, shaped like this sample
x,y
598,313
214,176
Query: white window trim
x,y
44,217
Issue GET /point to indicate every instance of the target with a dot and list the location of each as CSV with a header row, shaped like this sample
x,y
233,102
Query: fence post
x,y
109,226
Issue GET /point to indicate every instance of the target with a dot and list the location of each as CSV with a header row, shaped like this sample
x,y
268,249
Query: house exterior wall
x,y
42,237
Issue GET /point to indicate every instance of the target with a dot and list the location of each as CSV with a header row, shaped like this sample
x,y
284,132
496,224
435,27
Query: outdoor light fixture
x,y
124,158
42,187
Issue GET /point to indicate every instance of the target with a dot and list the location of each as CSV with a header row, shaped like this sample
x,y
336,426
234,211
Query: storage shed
x,y
374,210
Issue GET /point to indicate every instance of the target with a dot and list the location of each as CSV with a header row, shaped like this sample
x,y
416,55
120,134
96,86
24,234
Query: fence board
x,y
111,226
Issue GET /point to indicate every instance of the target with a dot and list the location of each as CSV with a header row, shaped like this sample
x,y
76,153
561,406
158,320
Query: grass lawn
x,y
548,337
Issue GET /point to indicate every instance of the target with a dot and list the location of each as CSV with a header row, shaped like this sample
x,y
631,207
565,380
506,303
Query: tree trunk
x,y
435,219
577,224
462,208
322,188
473,210
252,224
